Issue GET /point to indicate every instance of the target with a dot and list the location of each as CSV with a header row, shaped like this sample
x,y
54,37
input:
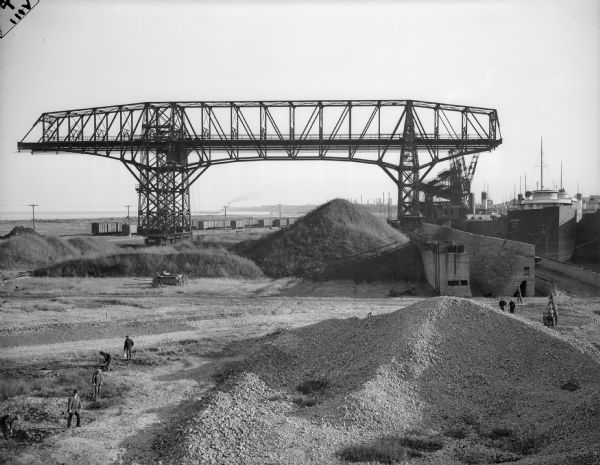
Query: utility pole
x,y
128,228
225,222
33,205
280,215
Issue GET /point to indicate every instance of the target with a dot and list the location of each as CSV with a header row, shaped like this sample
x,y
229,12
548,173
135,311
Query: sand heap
x,y
486,384
335,232
23,247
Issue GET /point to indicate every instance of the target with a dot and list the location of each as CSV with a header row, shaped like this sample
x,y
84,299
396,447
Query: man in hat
x,y
127,347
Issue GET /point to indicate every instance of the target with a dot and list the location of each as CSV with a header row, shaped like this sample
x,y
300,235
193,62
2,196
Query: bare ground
x,y
182,338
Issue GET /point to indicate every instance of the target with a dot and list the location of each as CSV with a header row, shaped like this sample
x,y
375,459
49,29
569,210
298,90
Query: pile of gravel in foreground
x,y
485,382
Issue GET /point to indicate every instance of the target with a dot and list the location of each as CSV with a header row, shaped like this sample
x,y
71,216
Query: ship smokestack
x,y
472,202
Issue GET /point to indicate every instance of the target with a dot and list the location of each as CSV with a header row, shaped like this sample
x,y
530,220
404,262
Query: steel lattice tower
x,y
167,145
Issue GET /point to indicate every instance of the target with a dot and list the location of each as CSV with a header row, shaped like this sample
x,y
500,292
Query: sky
x,y
536,62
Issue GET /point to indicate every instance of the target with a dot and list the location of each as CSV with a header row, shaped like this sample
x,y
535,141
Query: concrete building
x,y
496,266
446,268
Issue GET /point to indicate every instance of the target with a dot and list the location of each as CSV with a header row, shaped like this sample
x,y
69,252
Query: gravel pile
x,y
326,241
487,382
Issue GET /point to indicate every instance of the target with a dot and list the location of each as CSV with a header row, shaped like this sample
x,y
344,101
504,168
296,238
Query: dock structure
x,y
167,146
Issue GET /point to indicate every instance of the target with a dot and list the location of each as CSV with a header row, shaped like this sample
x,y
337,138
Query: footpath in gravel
x,y
485,386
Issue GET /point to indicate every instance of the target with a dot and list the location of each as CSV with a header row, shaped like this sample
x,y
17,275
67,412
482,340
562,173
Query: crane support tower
x,y
167,146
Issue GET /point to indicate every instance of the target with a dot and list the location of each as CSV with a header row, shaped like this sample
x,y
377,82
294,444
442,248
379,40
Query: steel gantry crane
x,y
167,146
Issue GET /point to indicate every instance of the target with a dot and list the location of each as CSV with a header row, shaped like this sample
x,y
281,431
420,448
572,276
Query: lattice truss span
x,y
168,145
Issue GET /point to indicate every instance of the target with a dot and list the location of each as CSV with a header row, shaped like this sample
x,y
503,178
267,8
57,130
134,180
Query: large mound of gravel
x,y
440,366
328,237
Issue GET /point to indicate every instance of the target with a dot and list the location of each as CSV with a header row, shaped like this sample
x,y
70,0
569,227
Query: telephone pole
x,y
225,222
280,215
33,205
128,227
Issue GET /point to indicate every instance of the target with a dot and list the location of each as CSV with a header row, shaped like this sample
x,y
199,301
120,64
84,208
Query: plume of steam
x,y
243,197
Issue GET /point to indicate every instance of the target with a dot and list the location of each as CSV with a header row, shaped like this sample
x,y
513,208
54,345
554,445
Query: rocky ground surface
x,y
434,367
264,372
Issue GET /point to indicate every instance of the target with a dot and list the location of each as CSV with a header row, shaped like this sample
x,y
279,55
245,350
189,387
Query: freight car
x,y
265,223
203,225
280,222
110,228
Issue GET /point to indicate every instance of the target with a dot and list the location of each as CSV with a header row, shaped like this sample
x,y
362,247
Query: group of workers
x,y
511,305
74,402
549,318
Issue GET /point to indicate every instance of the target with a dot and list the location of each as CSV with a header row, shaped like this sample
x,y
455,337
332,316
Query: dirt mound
x,y
486,385
29,249
318,243
17,230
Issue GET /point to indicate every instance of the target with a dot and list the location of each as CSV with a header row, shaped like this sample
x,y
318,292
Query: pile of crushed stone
x,y
324,242
484,383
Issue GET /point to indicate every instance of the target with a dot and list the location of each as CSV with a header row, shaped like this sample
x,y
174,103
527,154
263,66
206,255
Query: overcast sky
x,y
536,62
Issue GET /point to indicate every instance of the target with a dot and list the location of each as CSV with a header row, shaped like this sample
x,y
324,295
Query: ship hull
x,y
550,229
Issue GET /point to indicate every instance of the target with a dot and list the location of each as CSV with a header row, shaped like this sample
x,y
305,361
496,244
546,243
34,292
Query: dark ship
x,y
546,218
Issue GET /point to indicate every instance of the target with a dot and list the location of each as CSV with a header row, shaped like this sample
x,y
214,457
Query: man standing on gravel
x,y
7,425
73,408
127,347
97,382
511,306
502,304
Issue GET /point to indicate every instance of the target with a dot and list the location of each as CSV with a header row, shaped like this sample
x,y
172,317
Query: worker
x,y
519,295
127,348
7,425
97,382
502,304
511,306
73,408
552,310
107,360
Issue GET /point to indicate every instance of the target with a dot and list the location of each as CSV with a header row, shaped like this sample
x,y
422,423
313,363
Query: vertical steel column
x,y
235,128
320,129
164,213
408,170
263,130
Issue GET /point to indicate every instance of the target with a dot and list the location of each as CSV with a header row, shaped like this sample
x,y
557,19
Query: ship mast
x,y
541,163
561,175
